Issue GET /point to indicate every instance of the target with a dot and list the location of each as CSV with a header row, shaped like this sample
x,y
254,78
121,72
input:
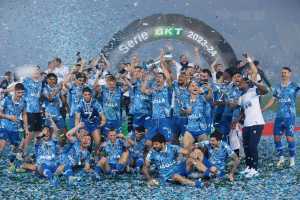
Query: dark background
x,y
34,31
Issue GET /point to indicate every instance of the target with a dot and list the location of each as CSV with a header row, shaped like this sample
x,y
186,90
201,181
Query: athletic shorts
x,y
50,167
91,127
178,125
284,125
196,134
117,167
162,126
13,137
225,125
138,120
60,122
179,169
35,122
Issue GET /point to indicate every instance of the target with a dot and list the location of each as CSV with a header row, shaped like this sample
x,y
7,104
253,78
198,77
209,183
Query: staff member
x,y
253,123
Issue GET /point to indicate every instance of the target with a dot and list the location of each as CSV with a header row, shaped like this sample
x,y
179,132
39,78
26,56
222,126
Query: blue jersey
x,y
165,160
10,107
111,103
286,97
218,91
89,111
46,152
52,107
74,97
161,102
181,98
139,102
199,119
76,156
137,150
113,151
218,156
33,90
232,94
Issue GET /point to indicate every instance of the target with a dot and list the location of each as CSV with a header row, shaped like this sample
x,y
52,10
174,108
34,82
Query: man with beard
x,y
170,168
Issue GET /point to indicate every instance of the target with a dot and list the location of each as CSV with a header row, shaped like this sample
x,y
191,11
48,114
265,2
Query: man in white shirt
x,y
253,123
60,70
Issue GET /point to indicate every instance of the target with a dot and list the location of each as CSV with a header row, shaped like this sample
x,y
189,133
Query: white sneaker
x,y
245,171
292,161
252,173
280,161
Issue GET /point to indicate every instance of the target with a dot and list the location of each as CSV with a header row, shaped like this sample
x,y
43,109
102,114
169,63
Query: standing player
x,y
52,101
74,91
12,111
181,96
89,111
198,126
111,103
139,102
161,95
33,90
285,95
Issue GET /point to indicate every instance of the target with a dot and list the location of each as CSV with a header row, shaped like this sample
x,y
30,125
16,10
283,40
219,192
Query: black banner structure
x,y
169,26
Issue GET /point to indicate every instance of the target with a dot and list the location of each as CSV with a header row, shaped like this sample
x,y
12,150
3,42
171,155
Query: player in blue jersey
x,y
285,96
181,97
198,125
231,95
139,102
114,154
165,158
76,155
137,148
112,95
161,95
218,97
46,155
52,101
12,112
89,111
74,91
33,91
219,153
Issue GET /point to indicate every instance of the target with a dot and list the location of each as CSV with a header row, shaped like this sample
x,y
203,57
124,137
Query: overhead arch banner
x,y
169,26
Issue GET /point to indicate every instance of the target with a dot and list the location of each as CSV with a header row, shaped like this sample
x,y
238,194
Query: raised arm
x,y
164,67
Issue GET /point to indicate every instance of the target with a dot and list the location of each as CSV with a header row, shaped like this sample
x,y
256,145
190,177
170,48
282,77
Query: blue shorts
x,y
60,122
51,167
139,120
179,169
13,137
162,126
178,124
117,167
116,124
225,125
198,133
284,125
91,127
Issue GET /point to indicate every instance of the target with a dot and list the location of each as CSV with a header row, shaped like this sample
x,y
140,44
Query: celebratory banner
x,y
169,26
